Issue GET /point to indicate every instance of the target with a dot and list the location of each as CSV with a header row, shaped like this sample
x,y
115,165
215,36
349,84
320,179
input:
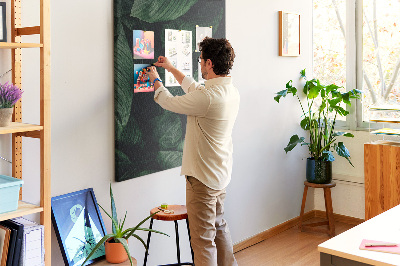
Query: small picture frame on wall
x,y
289,34
3,22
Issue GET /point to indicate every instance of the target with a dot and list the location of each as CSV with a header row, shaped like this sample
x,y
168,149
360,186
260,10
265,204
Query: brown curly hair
x,y
220,52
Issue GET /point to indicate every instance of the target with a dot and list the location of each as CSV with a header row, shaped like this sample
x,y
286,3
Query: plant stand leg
x,y
178,251
148,243
303,204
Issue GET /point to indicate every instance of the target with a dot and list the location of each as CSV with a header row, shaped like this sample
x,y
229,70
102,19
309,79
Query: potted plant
x,y
324,104
9,95
116,243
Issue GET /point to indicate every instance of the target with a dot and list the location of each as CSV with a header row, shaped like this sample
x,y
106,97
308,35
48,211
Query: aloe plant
x,y
320,121
119,234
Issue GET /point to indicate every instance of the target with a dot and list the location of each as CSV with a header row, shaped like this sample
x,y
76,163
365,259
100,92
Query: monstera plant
x,y
324,104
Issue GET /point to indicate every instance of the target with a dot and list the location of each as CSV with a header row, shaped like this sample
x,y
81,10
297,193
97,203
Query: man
x,y
207,155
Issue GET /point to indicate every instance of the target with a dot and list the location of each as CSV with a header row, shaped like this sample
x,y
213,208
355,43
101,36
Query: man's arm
x,y
165,63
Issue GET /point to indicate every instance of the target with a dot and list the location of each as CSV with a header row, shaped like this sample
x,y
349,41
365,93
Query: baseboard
x,y
340,218
271,232
289,224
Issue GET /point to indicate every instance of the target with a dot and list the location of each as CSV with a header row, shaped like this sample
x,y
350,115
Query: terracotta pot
x,y
5,116
115,252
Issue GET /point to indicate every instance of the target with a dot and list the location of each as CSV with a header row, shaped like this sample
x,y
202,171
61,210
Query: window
x,y
362,53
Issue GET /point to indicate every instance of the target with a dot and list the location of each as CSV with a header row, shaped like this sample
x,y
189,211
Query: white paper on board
x,y
201,33
178,49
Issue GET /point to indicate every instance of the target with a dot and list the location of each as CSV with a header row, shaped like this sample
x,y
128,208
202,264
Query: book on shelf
x,y
11,244
14,253
4,242
32,252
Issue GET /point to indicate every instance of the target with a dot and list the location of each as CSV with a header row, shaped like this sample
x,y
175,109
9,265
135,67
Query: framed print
x,y
3,23
289,34
78,226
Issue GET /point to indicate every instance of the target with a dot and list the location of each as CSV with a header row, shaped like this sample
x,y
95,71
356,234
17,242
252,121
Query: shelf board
x,y
16,127
13,45
386,120
24,208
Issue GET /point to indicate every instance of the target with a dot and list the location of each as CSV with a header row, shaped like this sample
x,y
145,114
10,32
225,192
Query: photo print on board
x,y
178,49
143,44
201,33
141,79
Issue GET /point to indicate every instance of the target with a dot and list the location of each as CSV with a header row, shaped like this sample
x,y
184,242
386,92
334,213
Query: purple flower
x,y
9,95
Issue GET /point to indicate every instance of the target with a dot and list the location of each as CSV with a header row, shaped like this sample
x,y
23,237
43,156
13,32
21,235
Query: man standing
x,y
207,155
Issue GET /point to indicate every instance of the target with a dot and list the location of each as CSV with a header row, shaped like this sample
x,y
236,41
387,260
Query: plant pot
x,y
319,172
6,116
115,252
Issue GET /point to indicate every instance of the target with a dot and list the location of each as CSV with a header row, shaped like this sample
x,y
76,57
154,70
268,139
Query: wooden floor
x,y
290,247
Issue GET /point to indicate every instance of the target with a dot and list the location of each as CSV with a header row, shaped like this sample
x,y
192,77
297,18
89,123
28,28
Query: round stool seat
x,y
331,184
180,213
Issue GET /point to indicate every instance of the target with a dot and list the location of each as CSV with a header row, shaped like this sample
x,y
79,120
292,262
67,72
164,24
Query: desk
x,y
344,248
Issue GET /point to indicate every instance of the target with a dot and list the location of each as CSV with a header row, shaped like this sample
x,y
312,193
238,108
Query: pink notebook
x,y
394,249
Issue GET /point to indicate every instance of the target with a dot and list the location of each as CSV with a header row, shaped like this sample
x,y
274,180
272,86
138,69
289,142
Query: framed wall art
x,y
3,22
289,34
78,226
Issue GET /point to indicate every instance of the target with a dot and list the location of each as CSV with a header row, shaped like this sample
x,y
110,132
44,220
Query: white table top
x,y
384,227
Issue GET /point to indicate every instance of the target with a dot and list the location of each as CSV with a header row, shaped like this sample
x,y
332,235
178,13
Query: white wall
x,y
267,184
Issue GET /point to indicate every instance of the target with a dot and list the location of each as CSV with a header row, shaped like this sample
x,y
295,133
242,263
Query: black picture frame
x,y
78,226
3,22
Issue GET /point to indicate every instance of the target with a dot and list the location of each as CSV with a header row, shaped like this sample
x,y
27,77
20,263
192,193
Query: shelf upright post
x,y
45,184
16,61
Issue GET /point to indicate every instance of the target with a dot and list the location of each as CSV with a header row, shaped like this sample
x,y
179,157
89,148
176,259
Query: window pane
x,y
329,43
381,56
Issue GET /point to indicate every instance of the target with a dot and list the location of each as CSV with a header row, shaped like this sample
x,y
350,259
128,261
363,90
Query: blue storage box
x,y
9,193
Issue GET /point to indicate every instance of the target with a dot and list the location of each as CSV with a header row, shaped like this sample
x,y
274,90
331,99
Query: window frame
x,y
354,69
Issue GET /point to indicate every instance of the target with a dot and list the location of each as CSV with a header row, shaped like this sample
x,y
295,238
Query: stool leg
x,y
329,211
178,251
148,242
190,239
303,204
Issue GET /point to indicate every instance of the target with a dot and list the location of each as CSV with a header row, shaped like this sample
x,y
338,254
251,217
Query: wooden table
x,y
344,248
105,263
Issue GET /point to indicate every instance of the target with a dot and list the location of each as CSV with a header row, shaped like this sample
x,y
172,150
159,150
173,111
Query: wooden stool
x,y
328,207
180,213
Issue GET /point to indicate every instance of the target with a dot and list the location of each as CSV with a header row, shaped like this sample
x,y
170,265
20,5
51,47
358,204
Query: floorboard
x,y
290,247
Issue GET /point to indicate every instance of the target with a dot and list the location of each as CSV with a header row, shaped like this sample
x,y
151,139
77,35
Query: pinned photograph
x,y
201,33
141,79
143,44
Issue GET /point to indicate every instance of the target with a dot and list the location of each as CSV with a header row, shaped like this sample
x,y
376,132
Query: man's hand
x,y
165,63
152,72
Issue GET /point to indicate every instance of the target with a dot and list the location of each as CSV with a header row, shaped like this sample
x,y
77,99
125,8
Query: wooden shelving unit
x,y
19,129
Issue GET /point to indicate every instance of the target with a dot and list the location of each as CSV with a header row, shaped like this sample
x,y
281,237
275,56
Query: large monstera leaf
x,y
167,130
169,159
123,68
160,10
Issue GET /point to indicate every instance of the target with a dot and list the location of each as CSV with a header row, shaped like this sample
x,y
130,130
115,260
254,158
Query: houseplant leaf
x,y
126,247
101,242
113,211
343,151
294,140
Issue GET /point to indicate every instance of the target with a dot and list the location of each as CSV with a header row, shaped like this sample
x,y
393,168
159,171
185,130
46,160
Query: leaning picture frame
x,y
289,34
3,22
78,226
